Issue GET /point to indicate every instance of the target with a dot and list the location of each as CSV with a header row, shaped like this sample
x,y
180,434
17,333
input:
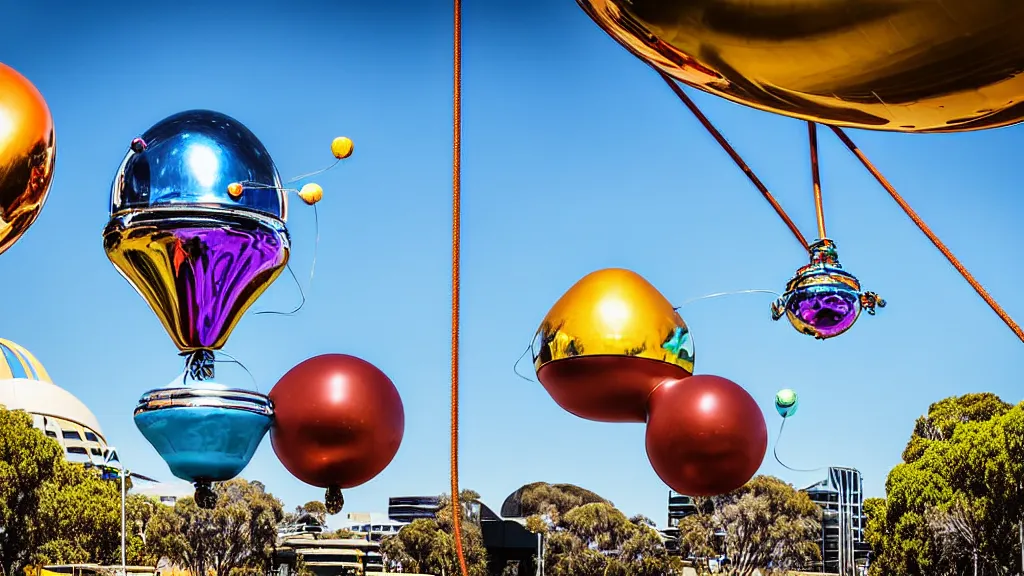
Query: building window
x,y
72,435
91,437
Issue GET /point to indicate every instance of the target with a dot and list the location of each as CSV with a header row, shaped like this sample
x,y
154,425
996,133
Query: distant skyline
x,y
576,157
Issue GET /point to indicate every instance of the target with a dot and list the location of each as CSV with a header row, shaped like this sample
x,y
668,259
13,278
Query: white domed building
x,y
25,385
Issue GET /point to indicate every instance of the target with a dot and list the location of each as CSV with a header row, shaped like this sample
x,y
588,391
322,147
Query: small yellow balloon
x,y
342,147
311,193
235,190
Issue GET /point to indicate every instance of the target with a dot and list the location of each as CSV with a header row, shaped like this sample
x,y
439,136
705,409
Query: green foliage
x,y
551,501
28,461
428,546
586,534
237,535
54,511
956,501
945,415
340,534
766,523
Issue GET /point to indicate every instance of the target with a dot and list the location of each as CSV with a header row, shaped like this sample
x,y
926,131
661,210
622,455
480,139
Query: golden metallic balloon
x,y
27,152
607,343
898,65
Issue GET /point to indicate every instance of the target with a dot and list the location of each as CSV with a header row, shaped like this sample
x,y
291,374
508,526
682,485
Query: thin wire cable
x,y
735,157
315,173
775,451
515,367
456,257
1003,315
733,293
312,272
819,209
232,360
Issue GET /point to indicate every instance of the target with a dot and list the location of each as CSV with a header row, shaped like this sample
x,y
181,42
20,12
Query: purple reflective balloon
x,y
199,270
218,286
823,311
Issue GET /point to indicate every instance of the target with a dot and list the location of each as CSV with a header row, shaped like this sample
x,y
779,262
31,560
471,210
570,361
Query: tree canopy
x,y
953,506
428,545
237,535
55,511
766,524
586,534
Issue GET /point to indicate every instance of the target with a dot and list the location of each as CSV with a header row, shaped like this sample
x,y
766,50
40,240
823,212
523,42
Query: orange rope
x,y
819,209
735,157
456,258
931,235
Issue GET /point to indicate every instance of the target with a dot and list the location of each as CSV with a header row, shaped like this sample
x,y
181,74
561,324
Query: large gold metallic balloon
x,y
27,153
608,343
899,65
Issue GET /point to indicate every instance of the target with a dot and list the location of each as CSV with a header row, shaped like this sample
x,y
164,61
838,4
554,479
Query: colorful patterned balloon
x,y
197,254
822,299
607,343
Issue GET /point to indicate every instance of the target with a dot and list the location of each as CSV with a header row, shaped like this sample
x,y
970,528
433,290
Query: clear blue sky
x,y
577,157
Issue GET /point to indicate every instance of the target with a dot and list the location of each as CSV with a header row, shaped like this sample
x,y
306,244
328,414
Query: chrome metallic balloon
x,y
607,343
28,151
205,432
822,299
198,255
898,65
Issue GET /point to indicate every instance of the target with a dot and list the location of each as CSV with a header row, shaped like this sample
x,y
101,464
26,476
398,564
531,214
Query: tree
x,y
943,417
767,524
80,519
237,535
954,505
428,545
55,511
340,534
586,534
28,460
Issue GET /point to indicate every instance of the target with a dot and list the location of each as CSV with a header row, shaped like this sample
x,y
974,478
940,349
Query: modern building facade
x,y
326,557
679,506
405,509
26,385
506,539
841,497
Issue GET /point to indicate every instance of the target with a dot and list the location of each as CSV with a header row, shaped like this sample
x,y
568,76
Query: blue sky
x,y
576,158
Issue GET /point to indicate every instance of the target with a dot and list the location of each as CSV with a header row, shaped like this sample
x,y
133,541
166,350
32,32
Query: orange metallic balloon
x,y
28,149
897,65
607,343
705,435
338,421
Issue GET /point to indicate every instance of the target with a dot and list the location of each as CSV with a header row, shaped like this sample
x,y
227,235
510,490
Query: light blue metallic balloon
x,y
786,402
205,433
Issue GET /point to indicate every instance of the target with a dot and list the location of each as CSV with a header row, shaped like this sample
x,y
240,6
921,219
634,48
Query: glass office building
x,y
841,497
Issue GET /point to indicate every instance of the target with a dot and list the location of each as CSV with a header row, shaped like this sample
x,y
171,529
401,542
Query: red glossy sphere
x,y
606,388
338,421
705,435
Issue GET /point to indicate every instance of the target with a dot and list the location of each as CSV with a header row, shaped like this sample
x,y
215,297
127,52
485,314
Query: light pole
x,y
111,455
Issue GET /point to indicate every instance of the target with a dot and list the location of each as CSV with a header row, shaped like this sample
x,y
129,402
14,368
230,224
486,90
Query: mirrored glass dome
x,y
189,159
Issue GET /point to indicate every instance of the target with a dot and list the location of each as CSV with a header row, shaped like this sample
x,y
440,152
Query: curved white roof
x,y
45,399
